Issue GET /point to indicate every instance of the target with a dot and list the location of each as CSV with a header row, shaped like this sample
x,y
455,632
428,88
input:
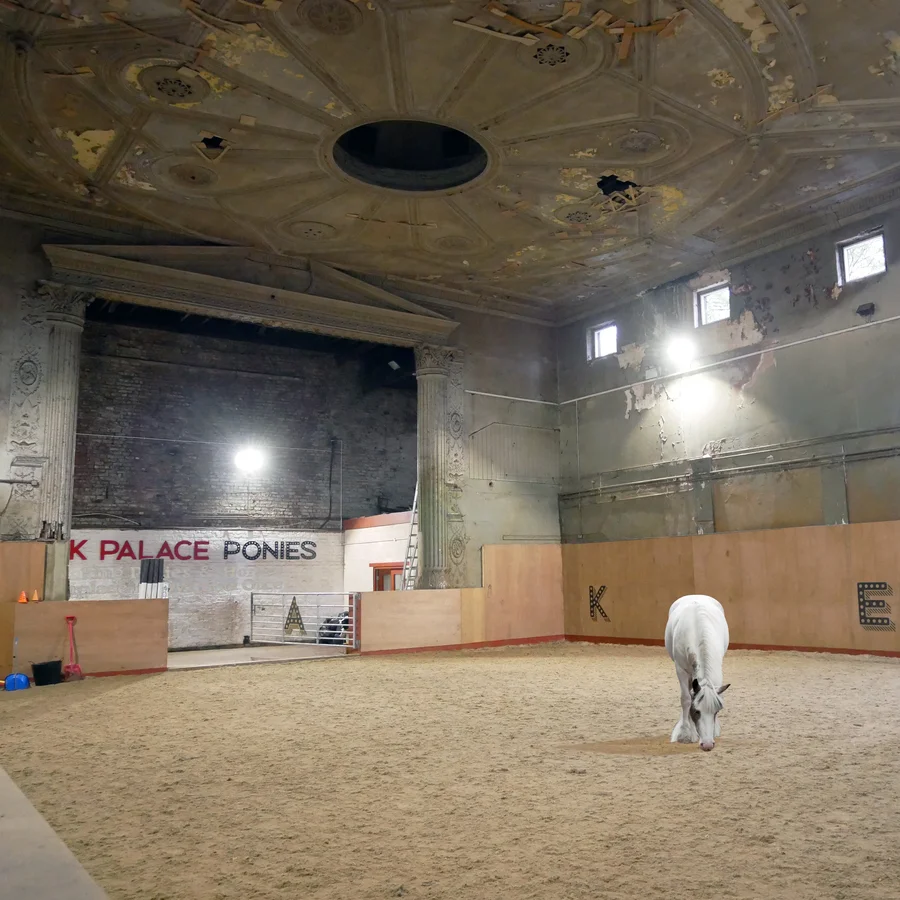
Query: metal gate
x,y
326,619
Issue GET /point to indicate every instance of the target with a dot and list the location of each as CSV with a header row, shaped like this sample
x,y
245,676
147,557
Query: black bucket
x,y
47,672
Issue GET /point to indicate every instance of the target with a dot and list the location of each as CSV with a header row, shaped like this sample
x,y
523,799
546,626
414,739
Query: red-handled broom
x,y
72,672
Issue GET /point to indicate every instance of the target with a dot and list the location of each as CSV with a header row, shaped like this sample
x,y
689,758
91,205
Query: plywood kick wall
x,y
112,636
21,569
803,588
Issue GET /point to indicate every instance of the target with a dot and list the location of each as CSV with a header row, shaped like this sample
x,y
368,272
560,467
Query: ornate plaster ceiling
x,y
741,123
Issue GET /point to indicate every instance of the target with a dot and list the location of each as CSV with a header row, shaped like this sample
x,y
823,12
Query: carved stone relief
x,y
20,519
41,437
456,470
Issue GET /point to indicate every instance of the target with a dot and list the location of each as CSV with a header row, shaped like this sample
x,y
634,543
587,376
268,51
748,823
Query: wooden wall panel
x,y
780,588
524,590
111,635
21,569
472,613
403,620
7,632
642,578
791,588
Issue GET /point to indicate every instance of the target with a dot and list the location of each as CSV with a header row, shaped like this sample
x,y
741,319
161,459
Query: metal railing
x,y
323,619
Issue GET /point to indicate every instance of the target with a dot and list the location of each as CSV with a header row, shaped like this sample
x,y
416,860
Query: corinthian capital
x,y
62,304
432,360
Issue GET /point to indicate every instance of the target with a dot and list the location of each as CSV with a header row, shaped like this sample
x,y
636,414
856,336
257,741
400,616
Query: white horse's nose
x,y
707,745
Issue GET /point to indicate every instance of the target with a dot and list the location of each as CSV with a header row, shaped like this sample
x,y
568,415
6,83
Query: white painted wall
x,y
209,592
363,546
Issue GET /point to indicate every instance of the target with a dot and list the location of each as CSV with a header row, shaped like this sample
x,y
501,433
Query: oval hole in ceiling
x,y
407,155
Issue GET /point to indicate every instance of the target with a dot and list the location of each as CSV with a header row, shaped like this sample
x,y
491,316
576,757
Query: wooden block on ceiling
x,y
625,44
248,120
76,72
799,10
521,39
674,23
499,10
599,19
571,8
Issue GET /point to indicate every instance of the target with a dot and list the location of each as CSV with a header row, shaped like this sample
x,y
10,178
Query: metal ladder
x,y
411,563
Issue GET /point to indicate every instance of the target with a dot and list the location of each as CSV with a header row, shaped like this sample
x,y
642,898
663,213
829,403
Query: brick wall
x,y
161,414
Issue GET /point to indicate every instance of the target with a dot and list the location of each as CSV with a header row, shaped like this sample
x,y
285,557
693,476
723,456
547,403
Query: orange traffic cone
x,y
35,598
23,598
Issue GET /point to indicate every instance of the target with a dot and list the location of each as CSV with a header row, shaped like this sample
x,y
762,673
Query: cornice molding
x,y
161,286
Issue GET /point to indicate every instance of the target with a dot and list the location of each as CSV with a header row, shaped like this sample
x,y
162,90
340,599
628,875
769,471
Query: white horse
x,y
697,638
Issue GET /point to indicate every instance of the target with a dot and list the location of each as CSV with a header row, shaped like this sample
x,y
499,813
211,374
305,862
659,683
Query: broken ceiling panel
x,y
701,70
856,47
278,200
518,75
320,31
264,65
594,101
170,87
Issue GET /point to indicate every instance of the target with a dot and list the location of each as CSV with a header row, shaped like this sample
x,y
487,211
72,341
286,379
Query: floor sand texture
x,y
523,774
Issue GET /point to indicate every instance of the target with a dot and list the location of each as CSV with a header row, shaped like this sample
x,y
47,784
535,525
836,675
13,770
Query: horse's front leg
x,y
684,732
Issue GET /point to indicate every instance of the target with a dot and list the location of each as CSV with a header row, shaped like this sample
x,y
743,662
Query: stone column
x,y
432,373
64,314
46,349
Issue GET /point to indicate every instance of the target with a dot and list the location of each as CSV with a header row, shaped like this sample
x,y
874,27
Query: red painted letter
x,y
108,548
141,551
201,547
181,544
126,552
165,551
75,549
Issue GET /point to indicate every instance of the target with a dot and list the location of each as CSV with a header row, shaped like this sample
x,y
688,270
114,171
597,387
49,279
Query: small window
x,y
712,305
861,258
603,340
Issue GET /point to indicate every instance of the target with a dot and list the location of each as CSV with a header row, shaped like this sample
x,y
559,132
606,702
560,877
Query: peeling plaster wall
x,y
511,491
769,433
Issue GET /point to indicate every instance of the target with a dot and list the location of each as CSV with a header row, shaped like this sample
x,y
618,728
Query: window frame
x,y
700,293
841,246
592,333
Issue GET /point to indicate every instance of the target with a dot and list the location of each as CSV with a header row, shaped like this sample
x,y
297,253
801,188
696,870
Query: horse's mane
x,y
707,699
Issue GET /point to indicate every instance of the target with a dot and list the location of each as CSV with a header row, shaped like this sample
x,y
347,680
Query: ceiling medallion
x,y
579,214
332,17
311,231
193,175
171,84
553,55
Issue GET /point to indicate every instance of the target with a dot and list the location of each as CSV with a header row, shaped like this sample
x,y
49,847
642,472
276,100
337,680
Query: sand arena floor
x,y
520,774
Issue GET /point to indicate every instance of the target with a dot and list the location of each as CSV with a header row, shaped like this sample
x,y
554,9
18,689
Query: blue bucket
x,y
16,682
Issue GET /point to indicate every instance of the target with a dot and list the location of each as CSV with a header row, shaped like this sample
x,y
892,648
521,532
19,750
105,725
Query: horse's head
x,y
706,703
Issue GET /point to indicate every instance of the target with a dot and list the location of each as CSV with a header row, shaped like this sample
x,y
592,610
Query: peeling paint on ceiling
x,y
765,124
